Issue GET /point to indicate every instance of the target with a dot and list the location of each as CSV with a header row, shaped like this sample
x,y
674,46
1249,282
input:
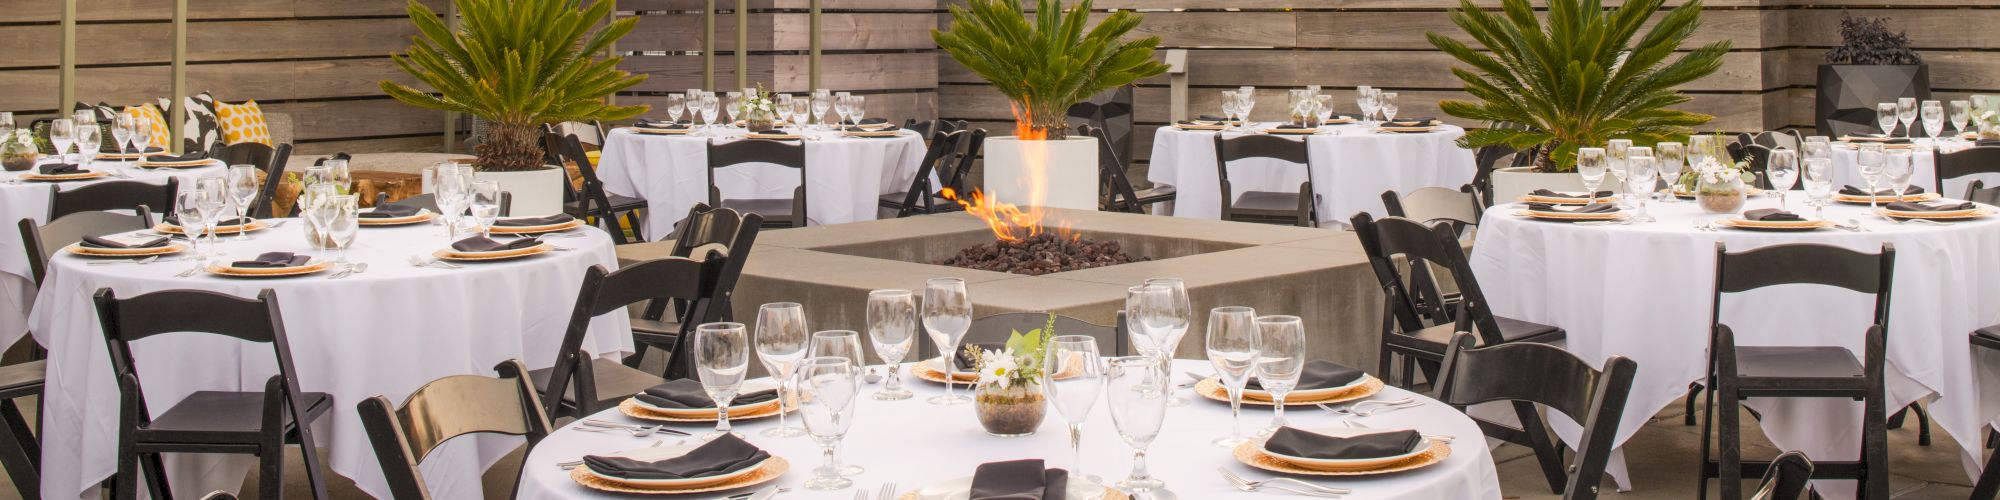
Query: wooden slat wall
x,y
316,60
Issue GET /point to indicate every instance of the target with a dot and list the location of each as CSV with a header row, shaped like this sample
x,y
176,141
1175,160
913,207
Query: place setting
x,y
1207,123
60,172
723,463
395,215
1014,479
657,127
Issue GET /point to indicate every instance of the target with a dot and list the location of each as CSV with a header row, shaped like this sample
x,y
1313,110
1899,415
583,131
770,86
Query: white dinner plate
x,y
666,452
1423,443
961,489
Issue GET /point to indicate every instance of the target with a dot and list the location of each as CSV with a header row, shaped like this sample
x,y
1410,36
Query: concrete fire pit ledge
x,y
1320,275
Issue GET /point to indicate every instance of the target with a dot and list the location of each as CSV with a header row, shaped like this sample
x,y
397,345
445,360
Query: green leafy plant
x,y
518,64
1046,65
1020,361
1579,79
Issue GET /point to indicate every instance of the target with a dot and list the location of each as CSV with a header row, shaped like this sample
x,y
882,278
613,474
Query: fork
x,y
1353,409
888,492
1350,423
616,425
579,462
189,272
1282,483
147,260
423,262
1350,412
860,494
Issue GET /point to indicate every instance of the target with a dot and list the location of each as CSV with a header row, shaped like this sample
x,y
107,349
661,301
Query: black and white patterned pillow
x,y
201,132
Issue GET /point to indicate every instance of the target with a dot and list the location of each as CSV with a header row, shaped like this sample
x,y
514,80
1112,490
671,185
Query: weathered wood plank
x,y
1217,29
1348,68
1927,28
1746,29
682,32
870,31
209,41
857,71
421,144
357,118
120,10
677,73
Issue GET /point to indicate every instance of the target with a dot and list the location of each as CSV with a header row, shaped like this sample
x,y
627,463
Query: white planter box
x,y
1067,179
536,193
1510,184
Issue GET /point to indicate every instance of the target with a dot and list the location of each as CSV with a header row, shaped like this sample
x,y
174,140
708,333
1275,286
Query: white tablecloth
x,y
1847,172
30,200
844,176
913,443
1351,167
386,331
1643,291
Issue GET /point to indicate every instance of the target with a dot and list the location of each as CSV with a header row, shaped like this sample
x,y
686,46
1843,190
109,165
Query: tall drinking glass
x,y
1885,116
734,106
781,344
7,123
892,327
1281,357
1229,107
1868,159
721,358
89,140
1246,100
827,390
243,190
1784,171
62,133
801,113
844,344
187,215
1233,342
1138,406
1897,168
214,198
1960,113
142,136
675,104
1701,149
1075,377
1323,108
1389,106
1616,151
1932,115
1817,146
1672,157
1906,112
1819,184
820,103
1176,328
1640,177
857,108
708,110
1590,166
342,225
947,316
121,131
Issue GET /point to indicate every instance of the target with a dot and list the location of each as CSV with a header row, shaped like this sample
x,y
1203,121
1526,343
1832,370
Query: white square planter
x,y
1067,179
536,193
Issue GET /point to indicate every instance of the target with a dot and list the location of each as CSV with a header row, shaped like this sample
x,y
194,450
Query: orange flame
x,y
1008,221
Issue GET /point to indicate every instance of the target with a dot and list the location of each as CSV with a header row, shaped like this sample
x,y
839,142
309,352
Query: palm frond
x,y
1047,61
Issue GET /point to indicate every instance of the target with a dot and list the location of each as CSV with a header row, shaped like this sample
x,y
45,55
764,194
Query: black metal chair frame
x,y
1970,161
921,197
271,160
435,413
593,202
1112,180
778,153
1276,148
611,292
704,229
20,448
1787,479
1529,374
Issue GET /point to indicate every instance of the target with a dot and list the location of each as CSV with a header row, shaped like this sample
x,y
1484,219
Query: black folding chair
x,y
1119,196
1740,372
1270,207
447,408
270,160
580,385
254,423
42,241
114,195
1528,374
777,212
593,202
1461,209
20,449
921,197
1970,161
704,230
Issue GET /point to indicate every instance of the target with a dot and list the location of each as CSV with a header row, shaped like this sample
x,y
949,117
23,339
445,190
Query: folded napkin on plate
x,y
1318,375
1018,480
1935,206
534,221
1771,215
61,169
190,156
1874,138
1558,194
666,125
722,455
151,150
1292,442
1211,118
1292,127
965,360
390,212
687,394
108,242
1411,122
1594,208
485,244
175,220
274,259
770,131
865,121
1855,191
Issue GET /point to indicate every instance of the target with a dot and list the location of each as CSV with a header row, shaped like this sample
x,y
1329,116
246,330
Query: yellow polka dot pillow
x,y
242,123
157,122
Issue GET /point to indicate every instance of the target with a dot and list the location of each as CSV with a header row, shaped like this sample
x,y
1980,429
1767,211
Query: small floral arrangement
x,y
1714,169
18,151
1019,362
758,109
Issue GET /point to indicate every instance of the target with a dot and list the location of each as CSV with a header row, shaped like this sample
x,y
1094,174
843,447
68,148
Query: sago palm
x,y
1047,64
1579,79
518,64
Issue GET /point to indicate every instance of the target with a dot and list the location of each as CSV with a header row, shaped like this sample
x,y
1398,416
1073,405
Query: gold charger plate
x,y
1864,200
631,408
549,228
174,164
1291,131
1204,128
79,249
1407,130
1566,216
1747,192
1109,494
1789,225
1250,453
662,131
1212,388
129,156
871,133
1938,215
923,370
91,174
1857,145
396,221
449,254
1566,201
269,272
254,225
773,137
770,469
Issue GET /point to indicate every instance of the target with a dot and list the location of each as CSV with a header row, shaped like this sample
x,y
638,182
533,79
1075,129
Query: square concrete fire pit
x,y
1320,275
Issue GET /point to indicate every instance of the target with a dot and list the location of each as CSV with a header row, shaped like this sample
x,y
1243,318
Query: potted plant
x,y
1009,399
1870,66
1045,63
518,64
1581,78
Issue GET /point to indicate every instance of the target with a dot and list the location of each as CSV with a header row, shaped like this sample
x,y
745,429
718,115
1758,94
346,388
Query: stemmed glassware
x,y
1388,105
453,190
1590,166
1138,401
827,390
781,344
1233,342
1672,157
1906,112
892,327
1960,113
62,132
1819,184
1281,357
121,132
1784,172
734,106
947,316
341,224
485,202
1230,106
1616,151
1933,118
1896,166
721,358
857,108
187,213
1885,117
243,190
1817,146
1640,177
844,344
142,135
89,140
6,123
842,106
708,110
675,104
214,197
1868,157
1246,100
1364,98
1701,148
801,112
822,100
1075,376
1323,107
1176,326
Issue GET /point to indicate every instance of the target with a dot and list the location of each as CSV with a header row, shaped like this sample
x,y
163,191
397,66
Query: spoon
x,y
147,260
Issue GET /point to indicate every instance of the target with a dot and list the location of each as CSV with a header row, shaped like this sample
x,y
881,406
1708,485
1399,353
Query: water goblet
x,y
1906,112
342,224
243,190
892,327
1233,342
1959,113
844,344
1590,167
1138,402
1868,159
1885,117
827,390
781,344
485,203
675,104
1176,326
214,198
1819,184
121,131
187,215
1640,178
89,140
1932,115
1784,171
62,132
1616,151
1281,357
1075,376
721,358
1897,168
1672,158
947,316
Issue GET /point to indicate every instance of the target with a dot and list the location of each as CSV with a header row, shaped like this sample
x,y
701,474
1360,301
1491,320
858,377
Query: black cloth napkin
x,y
1212,118
723,455
61,169
175,220
1554,194
1292,442
389,212
150,150
1884,139
1018,480
485,244
865,121
1411,122
666,125
1594,208
1318,375
1855,191
534,221
100,242
1292,127
687,394
190,156
968,362
1771,215
274,259
1937,206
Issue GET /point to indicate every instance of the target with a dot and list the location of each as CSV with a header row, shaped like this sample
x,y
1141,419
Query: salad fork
x,y
1283,483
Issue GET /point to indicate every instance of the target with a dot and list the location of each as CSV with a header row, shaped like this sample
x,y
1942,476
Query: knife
x,y
763,494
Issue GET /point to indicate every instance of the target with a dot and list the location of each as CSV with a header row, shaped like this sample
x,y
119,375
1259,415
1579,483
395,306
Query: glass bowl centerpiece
x,y
1009,396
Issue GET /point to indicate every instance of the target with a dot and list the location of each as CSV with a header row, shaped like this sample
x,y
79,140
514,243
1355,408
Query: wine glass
x,y
857,108
821,102
1388,106
1364,98
675,104
1817,146
947,316
1868,159
6,123
1906,112
827,390
708,110
892,327
1896,166
485,202
1149,310
1616,151
454,189
843,105
62,132
734,106
187,215
243,190
1784,172
1933,118
844,344
1819,184
1885,116
1229,107
142,136
781,344
1960,114
1640,178
783,107
721,357
89,140
1075,376
1232,347
1281,357
1324,109
214,197
343,180
1672,158
121,132
1138,401
1590,166
1176,327
1701,149
342,225
1246,100
801,113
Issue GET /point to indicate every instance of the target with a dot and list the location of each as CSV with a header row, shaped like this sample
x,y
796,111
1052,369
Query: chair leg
x,y
1923,424
271,472
315,472
632,218
1409,372
18,452
1707,423
125,485
1694,391
1988,485
156,476
1896,419
638,355
1547,451
1874,482
1731,469
1385,362
610,224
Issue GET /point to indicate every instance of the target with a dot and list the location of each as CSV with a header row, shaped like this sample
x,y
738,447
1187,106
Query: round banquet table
x,y
1644,291
1923,173
1352,165
913,443
30,200
845,176
385,331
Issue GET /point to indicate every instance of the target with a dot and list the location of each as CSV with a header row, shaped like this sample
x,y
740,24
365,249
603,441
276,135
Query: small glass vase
x,y
759,120
1721,194
17,155
1013,411
1989,131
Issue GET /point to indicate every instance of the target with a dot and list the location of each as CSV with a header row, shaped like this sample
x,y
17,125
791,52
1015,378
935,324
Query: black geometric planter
x,y
1848,94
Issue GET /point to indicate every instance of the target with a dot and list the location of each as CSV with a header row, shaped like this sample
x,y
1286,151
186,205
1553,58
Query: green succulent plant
x,y
1578,79
1046,62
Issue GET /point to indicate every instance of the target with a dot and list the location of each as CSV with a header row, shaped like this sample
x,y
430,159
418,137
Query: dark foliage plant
x,y
1868,41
